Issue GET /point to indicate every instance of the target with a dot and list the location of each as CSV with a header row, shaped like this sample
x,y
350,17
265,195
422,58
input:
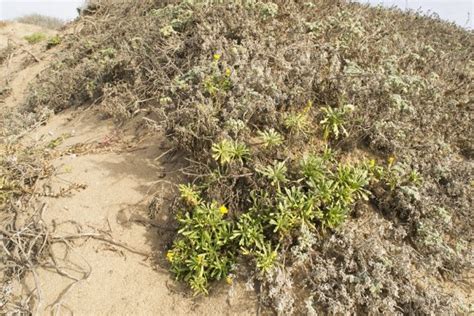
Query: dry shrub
x,y
24,242
5,53
409,77
48,22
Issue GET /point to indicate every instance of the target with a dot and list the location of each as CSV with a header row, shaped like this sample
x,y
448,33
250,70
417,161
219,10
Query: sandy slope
x,y
16,32
23,61
115,176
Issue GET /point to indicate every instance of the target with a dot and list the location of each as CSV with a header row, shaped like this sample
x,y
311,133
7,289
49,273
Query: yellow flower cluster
x,y
223,210
170,256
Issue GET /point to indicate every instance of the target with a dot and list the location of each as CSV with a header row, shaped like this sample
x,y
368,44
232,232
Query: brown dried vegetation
x,y
42,20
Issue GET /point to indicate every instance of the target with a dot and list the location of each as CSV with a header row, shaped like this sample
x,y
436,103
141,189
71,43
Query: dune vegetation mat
x,y
329,144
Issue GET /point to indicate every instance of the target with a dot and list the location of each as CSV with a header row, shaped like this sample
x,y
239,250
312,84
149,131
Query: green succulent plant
x,y
227,151
276,173
333,121
270,138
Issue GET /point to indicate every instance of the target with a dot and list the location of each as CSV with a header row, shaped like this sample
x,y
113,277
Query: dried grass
x,y
42,20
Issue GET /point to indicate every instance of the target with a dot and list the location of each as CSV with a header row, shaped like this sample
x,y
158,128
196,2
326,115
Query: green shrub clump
x,y
319,194
54,41
203,250
35,38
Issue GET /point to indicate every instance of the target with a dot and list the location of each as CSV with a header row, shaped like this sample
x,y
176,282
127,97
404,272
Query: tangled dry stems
x,y
26,241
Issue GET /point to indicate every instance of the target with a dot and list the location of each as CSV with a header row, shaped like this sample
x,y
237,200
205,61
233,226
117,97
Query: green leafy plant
x,y
324,194
314,167
189,194
270,138
335,215
333,121
415,177
35,38
223,151
53,41
297,123
266,257
249,232
293,208
276,173
227,151
352,182
394,175
202,251
320,193
240,151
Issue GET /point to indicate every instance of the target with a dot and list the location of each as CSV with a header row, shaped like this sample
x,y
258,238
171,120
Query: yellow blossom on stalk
x,y
223,210
391,160
227,72
217,57
170,256
372,163
229,279
308,107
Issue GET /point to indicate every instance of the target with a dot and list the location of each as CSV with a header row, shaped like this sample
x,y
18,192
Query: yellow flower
x,y
308,106
170,256
227,72
372,163
223,210
391,160
217,57
229,279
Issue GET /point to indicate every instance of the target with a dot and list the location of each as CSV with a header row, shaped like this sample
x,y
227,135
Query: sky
x,y
63,9
459,11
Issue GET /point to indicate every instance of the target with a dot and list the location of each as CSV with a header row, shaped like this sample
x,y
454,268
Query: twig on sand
x,y
31,54
28,52
102,238
29,247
